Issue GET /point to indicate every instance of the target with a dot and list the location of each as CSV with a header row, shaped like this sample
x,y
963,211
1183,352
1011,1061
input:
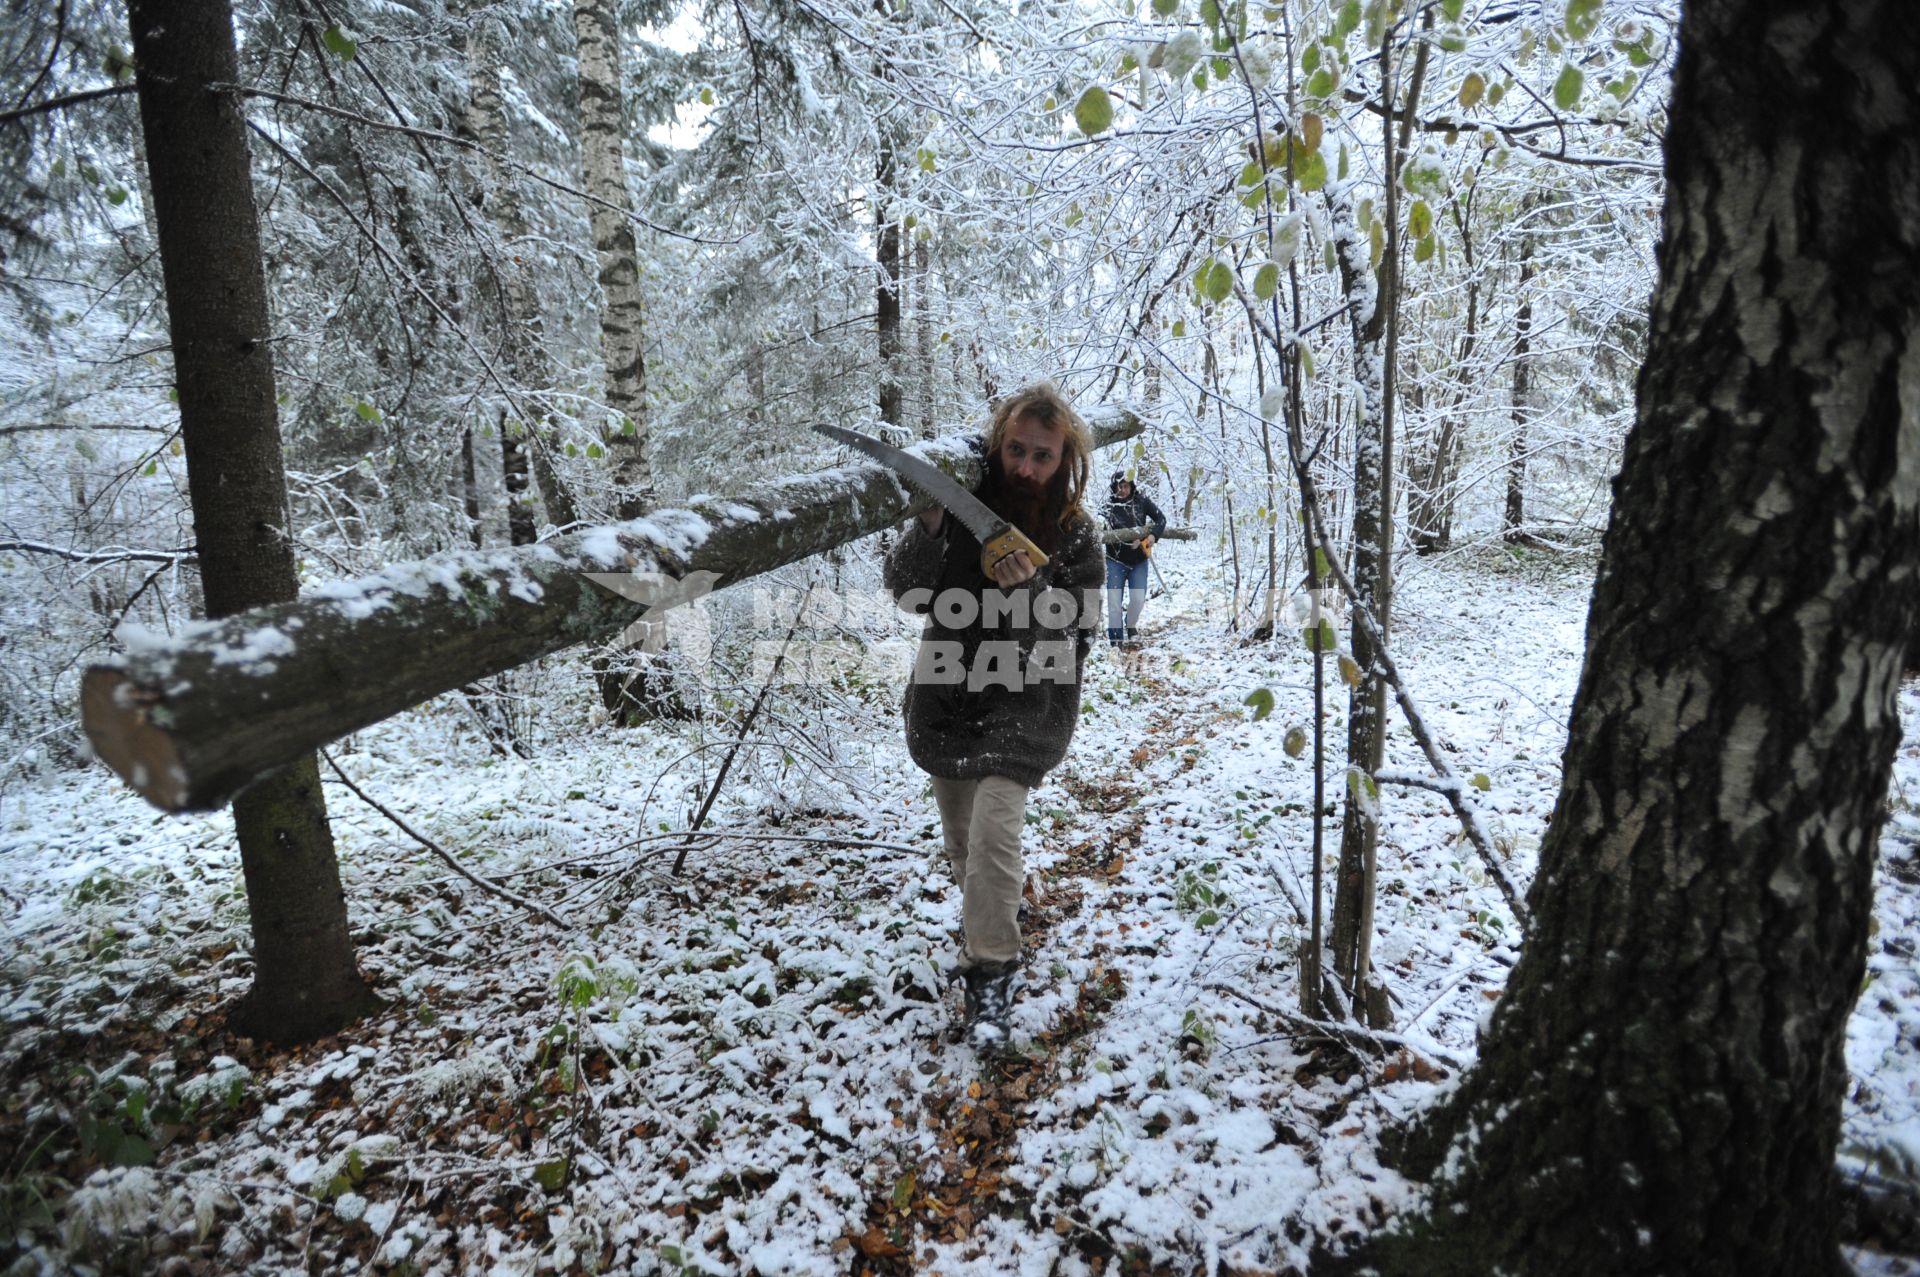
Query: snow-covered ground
x,y
744,1068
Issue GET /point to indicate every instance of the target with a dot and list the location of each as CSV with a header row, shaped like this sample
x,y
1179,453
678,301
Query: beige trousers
x,y
982,820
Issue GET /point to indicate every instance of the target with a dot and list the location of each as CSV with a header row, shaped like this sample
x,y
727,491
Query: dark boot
x,y
990,992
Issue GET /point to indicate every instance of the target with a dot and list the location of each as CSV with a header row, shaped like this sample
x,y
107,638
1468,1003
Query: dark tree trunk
x,y
1660,1089
1352,923
305,981
1513,521
523,444
470,489
513,478
1430,498
887,290
923,329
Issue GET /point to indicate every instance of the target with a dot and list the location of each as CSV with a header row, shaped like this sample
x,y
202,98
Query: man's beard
x,y
1034,508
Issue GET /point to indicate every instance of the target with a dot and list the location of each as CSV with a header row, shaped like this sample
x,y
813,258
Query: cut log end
x,y
119,717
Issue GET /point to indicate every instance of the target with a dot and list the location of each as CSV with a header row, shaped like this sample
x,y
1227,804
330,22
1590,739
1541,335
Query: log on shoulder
x,y
189,719
1119,536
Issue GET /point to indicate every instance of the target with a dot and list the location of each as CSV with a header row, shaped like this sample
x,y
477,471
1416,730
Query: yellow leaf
x,y
1311,128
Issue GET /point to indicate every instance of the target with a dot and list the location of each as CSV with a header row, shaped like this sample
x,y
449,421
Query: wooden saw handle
x,y
998,548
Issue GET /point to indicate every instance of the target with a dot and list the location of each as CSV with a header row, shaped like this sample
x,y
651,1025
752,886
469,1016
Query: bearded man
x,y
995,693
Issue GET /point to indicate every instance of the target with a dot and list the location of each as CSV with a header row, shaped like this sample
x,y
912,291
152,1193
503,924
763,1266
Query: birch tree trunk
x,y
305,980
622,318
522,339
1660,1089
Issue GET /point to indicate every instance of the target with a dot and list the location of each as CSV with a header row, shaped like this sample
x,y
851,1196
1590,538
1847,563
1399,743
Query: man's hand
x,y
931,518
1013,569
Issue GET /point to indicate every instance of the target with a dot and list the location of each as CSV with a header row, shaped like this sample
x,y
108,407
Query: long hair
x,y
1044,403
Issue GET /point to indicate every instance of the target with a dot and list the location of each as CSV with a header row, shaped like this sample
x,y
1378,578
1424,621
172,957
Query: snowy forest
x,y
455,809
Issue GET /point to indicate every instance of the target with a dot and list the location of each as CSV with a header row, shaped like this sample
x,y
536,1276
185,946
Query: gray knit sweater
x,y
997,697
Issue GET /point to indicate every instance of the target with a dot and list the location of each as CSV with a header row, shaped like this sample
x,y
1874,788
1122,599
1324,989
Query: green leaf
x,y
153,468
1094,111
1322,566
1214,280
337,43
1296,742
116,195
1206,920
1310,59
1322,83
1420,219
1322,639
628,428
1567,89
1179,328
1166,8
1472,89
1480,782
551,1176
1453,43
1348,21
1423,249
1210,12
1452,9
595,451
1311,172
572,451
903,1192
1260,699
367,411
1582,17
1266,281
1495,93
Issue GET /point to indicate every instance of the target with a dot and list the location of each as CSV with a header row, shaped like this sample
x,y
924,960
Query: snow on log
x,y
190,718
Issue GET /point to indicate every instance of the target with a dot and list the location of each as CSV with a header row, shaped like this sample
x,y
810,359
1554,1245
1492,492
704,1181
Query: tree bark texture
x,y
1660,1089
192,721
886,229
1431,473
923,328
622,318
1513,521
1366,714
305,980
523,334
